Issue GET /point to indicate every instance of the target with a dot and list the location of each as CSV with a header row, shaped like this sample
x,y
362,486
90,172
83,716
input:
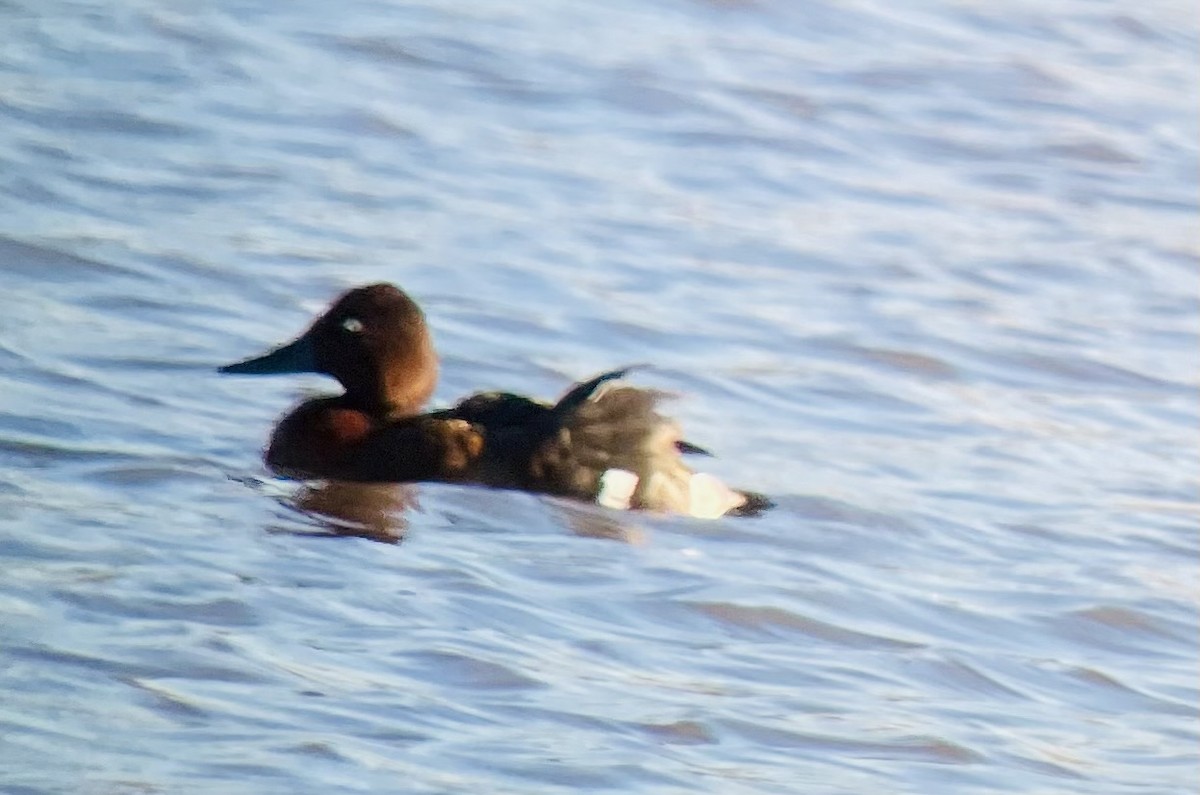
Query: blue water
x,y
925,273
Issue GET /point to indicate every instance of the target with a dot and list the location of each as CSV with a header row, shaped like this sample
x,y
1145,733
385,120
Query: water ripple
x,y
926,276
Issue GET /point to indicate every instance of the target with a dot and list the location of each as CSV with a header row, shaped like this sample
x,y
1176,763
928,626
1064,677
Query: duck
x,y
604,441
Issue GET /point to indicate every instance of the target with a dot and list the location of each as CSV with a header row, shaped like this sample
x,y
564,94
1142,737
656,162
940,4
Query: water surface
x,y
927,275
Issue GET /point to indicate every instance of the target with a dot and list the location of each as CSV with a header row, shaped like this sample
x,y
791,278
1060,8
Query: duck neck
x,y
403,390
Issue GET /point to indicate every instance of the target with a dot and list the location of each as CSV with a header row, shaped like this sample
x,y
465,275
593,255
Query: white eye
x,y
353,325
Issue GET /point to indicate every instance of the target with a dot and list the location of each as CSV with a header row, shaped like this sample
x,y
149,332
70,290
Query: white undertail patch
x,y
709,498
616,489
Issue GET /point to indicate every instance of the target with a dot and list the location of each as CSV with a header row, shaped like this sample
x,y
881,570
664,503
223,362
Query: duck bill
x,y
295,357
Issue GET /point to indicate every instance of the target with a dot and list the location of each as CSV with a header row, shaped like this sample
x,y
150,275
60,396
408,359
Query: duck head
x,y
373,340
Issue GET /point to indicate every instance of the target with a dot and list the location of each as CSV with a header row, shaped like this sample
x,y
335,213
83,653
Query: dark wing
x,y
687,448
500,410
425,447
579,393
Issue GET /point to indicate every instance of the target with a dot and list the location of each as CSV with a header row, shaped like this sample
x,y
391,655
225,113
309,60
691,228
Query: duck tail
x,y
755,504
613,446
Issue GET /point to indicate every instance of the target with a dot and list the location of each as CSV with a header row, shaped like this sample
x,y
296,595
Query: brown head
x,y
374,341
